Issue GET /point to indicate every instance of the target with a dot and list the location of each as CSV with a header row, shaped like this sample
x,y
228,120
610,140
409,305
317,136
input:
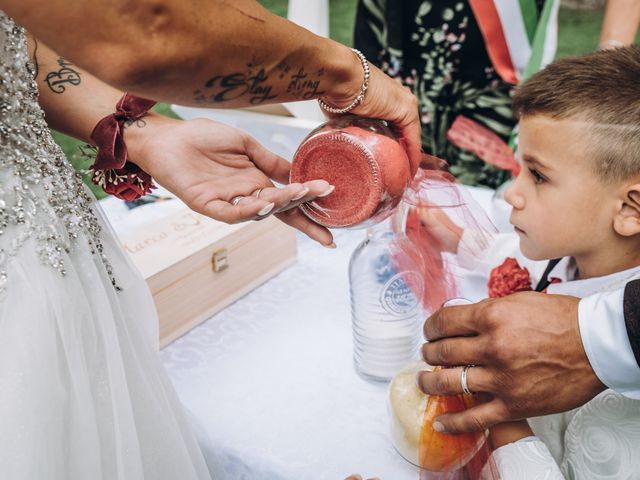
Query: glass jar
x,y
412,413
385,286
365,162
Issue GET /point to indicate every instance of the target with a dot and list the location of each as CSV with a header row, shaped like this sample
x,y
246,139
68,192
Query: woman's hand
x,y
208,164
388,100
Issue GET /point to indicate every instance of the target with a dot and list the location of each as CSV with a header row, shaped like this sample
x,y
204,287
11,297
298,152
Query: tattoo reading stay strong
x,y
257,84
58,80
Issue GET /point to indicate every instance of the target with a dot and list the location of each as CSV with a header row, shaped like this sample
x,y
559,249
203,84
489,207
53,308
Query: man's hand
x,y
209,164
528,357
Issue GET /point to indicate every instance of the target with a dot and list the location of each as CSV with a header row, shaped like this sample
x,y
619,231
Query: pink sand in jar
x,y
363,160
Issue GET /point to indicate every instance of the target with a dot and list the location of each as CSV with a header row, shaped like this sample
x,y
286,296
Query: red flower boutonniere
x,y
508,278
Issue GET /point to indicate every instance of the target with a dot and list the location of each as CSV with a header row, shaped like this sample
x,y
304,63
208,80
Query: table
x,y
269,381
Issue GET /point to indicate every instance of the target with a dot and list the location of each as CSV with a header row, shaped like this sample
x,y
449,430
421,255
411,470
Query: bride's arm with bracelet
x,y
213,168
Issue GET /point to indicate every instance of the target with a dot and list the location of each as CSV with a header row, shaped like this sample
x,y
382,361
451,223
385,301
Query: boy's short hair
x,y
603,91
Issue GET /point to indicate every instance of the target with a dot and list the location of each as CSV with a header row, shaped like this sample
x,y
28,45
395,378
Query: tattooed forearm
x,y
58,80
303,87
258,85
140,123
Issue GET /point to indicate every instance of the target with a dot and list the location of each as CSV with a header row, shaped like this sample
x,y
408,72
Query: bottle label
x,y
397,298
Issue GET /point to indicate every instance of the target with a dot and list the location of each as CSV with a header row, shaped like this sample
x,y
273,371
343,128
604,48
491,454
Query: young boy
x,y
577,199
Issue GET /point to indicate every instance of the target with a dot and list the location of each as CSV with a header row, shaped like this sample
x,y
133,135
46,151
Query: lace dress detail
x,y
41,195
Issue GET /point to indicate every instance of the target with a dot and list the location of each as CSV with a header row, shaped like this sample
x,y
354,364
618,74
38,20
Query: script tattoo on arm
x,y
58,80
257,83
139,122
303,87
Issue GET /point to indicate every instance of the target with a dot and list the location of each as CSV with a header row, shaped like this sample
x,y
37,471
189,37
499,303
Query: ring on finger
x,y
463,380
236,200
257,192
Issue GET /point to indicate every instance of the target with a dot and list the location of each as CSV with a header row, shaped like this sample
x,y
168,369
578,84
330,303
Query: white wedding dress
x,y
83,395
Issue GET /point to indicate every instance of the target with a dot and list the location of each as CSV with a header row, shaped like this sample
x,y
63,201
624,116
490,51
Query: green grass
x,y
579,31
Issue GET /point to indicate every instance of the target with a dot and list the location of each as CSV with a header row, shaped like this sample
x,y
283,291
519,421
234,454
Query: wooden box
x,y
196,266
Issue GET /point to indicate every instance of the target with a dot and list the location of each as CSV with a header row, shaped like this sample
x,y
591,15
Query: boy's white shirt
x,y
600,312
600,439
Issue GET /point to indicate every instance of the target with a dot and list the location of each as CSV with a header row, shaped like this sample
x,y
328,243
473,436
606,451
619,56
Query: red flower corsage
x,y
127,183
508,278
112,170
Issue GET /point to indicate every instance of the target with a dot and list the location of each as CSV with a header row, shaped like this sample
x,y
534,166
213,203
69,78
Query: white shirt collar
x,y
566,270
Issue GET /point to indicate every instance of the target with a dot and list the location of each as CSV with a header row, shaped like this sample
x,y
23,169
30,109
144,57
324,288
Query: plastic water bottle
x,y
386,314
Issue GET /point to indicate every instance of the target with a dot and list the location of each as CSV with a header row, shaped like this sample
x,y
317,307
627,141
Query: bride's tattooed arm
x,y
65,75
73,100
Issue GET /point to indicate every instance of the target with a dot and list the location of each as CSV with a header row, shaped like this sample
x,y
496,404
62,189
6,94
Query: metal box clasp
x,y
219,260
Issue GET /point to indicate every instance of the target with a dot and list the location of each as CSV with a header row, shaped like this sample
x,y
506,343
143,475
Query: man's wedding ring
x,y
463,380
258,192
236,200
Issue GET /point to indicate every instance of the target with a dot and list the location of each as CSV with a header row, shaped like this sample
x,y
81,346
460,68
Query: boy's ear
x,y
627,219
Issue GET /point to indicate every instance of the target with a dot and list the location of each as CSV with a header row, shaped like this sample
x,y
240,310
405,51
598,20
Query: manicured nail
x,y
328,191
438,427
299,195
331,245
266,209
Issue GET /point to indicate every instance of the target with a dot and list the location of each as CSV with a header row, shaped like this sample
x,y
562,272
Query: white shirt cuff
x,y
606,342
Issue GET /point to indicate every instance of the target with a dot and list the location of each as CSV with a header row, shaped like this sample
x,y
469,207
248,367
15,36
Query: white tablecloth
x,y
270,382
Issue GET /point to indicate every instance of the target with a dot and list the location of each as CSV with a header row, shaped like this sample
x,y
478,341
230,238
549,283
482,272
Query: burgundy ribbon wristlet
x,y
111,170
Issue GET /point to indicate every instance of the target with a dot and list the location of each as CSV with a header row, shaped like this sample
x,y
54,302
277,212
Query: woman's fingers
x,y
240,209
298,220
282,197
272,165
312,190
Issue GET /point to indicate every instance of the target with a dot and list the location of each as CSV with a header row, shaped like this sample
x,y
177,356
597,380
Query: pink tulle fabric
x,y
435,196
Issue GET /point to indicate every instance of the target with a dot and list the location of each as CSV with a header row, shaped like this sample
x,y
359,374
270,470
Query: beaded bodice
x,y
41,196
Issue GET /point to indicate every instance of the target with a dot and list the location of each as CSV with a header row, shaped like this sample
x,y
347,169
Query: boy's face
x,y
560,207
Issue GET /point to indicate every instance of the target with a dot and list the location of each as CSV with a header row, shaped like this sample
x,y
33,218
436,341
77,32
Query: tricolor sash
x,y
517,41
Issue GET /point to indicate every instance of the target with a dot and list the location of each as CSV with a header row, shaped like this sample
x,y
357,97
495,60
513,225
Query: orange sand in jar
x,y
412,415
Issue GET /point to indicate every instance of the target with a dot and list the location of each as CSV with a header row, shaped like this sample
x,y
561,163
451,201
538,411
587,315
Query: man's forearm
x,y
155,49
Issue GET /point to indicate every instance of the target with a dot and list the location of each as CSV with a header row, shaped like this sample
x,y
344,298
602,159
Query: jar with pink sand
x,y
366,163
